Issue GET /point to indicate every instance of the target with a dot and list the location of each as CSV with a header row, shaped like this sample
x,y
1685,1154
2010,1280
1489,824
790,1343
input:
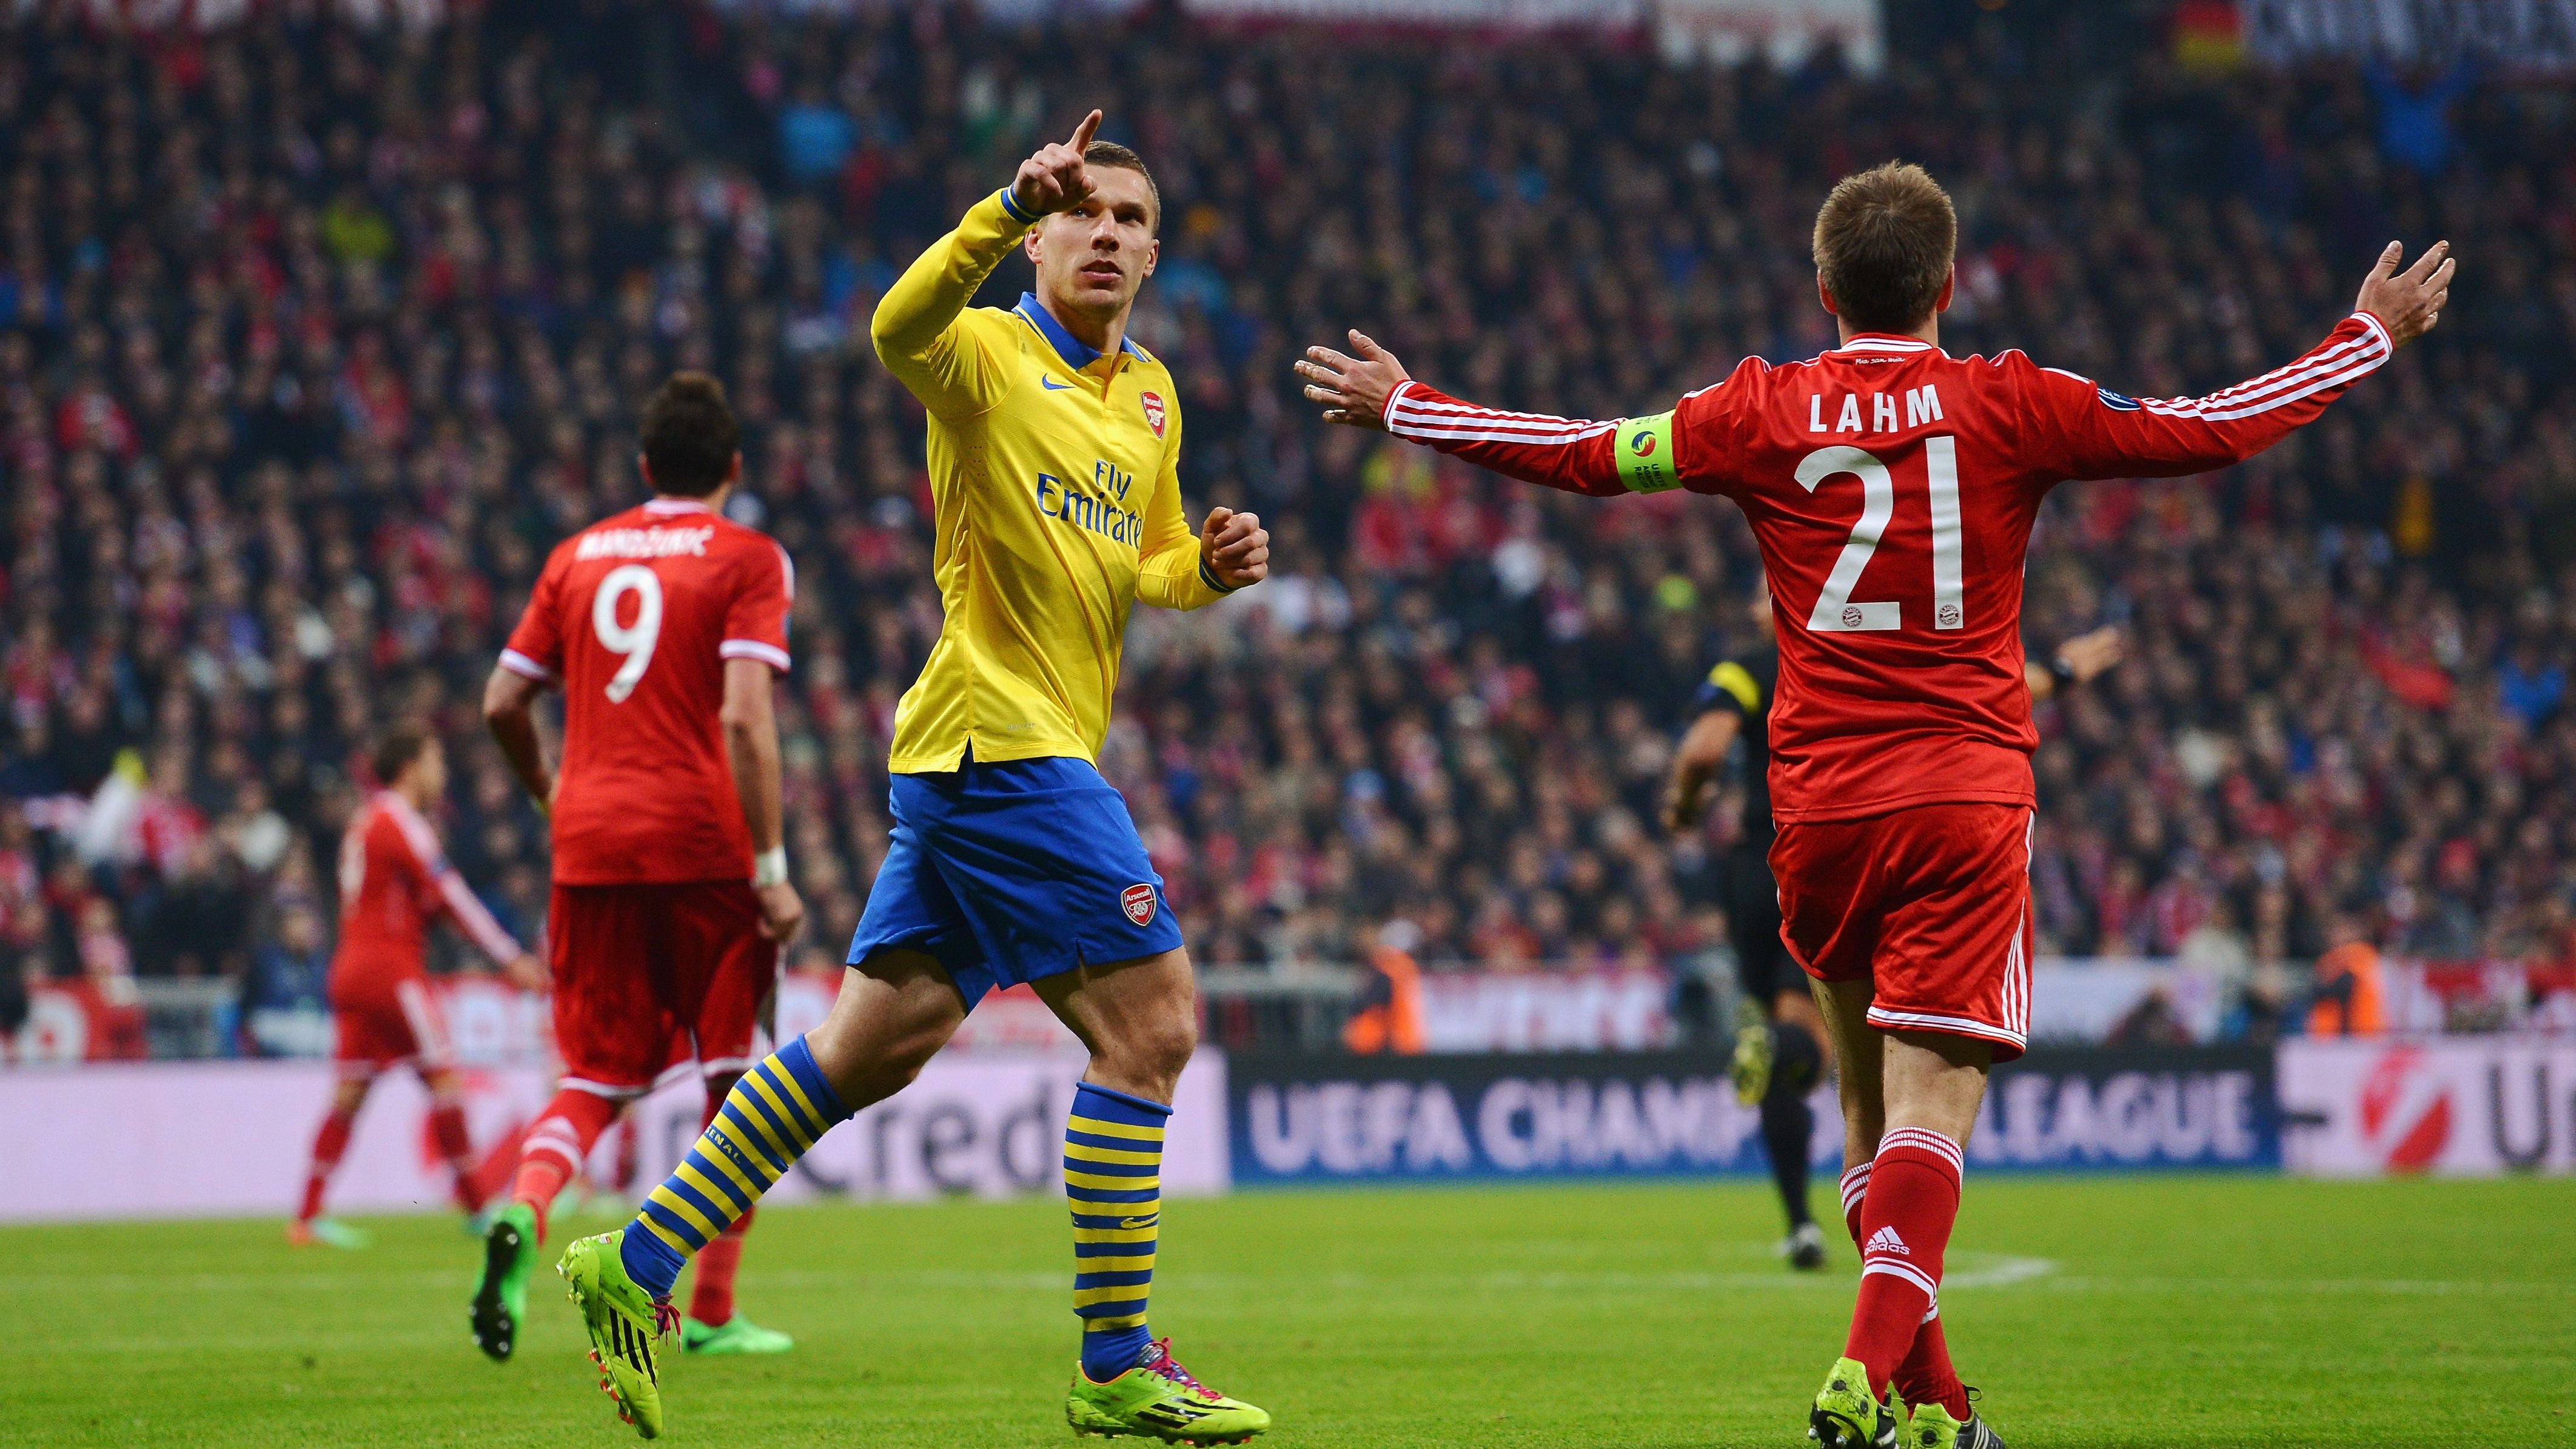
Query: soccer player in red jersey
x,y
394,882
1891,489
664,626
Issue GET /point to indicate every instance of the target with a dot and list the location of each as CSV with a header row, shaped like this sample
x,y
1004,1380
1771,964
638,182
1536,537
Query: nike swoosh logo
x,y
1051,385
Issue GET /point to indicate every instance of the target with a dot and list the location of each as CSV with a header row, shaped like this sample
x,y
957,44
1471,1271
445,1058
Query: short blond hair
x,y
1884,241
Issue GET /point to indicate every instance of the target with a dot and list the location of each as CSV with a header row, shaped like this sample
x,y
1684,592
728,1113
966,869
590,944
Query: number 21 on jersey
x,y
633,641
1836,612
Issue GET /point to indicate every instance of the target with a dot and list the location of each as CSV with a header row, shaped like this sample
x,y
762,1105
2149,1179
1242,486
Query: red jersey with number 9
x,y
635,617
1891,488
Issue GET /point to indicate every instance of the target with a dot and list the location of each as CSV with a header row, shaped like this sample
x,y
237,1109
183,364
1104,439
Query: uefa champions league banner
x,y
1301,1118
2193,1107
1307,1119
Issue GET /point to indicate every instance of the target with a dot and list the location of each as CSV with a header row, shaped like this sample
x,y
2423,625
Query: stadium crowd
x,y
314,339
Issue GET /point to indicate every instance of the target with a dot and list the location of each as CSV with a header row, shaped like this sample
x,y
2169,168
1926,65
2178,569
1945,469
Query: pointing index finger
x,y
1083,133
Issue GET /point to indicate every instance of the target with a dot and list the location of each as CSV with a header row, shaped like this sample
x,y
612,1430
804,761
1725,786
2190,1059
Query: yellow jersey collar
x,y
1077,354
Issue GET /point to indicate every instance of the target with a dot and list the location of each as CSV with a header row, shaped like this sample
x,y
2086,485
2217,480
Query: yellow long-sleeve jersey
x,y
1054,471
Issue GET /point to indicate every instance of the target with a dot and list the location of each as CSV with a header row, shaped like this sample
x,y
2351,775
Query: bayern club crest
x,y
1153,414
1138,899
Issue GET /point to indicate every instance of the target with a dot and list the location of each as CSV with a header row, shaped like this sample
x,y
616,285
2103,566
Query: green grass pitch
x,y
2093,1311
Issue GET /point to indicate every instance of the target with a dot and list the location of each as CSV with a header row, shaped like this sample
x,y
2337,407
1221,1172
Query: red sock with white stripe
x,y
329,1142
556,1146
711,1291
1906,1213
1924,1375
1855,1183
456,1144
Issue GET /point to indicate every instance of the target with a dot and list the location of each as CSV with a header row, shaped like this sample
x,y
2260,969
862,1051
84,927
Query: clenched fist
x,y
1234,549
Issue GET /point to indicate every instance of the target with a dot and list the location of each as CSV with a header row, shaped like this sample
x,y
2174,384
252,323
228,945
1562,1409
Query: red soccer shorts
x,y
399,1022
1931,904
647,974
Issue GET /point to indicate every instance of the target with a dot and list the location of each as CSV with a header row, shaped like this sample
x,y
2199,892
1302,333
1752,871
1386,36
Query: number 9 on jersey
x,y
634,641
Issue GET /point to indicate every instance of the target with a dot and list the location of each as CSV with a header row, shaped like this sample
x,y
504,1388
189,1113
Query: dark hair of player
x,y
395,748
1884,239
690,436
1110,153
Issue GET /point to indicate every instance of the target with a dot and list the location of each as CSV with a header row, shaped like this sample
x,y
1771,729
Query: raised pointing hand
x,y
2408,303
1055,179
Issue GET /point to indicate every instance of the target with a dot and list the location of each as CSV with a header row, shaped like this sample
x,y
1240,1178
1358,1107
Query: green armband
x,y
1644,448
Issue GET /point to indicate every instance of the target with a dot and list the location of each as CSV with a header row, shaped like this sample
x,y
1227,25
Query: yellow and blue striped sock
x,y
780,1108
1113,1178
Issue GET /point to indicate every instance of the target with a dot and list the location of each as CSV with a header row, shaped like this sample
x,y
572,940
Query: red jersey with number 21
x,y
1891,488
635,617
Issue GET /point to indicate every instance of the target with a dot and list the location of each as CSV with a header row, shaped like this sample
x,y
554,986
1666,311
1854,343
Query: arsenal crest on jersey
x,y
1138,899
1153,414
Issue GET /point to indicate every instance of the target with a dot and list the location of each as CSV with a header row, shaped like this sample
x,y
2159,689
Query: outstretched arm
x,y
915,327
2085,431
1579,455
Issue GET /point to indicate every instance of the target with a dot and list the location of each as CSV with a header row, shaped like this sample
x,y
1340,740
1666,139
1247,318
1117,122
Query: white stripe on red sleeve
x,y
2347,361
518,663
769,654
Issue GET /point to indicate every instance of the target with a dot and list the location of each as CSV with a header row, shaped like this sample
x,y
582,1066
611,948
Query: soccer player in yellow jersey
x,y
1054,450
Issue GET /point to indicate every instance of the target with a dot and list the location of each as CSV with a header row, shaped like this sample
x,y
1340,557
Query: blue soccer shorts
x,y
1015,871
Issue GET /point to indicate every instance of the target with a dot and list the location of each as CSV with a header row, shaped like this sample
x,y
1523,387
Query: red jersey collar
x,y
677,505
1884,342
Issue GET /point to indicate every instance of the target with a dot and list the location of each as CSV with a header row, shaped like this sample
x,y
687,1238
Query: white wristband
x,y
769,868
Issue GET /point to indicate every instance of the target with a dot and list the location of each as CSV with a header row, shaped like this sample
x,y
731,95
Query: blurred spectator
x,y
2348,999
311,347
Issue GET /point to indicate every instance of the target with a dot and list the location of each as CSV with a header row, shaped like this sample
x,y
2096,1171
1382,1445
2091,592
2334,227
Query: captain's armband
x,y
1644,450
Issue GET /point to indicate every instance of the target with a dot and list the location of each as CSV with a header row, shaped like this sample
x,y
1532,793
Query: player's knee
x,y
873,1076
1147,1057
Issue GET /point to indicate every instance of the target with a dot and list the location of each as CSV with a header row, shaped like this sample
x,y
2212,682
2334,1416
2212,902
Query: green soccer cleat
x,y
1751,1064
501,1299
327,1233
624,1322
1847,1415
735,1335
1160,1400
1931,1427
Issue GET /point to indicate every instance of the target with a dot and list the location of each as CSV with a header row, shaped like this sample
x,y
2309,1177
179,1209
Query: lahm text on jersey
x,y
1094,511
1920,405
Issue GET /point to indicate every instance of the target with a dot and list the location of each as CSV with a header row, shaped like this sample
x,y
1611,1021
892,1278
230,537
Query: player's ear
x,y
733,469
644,466
1949,284
1825,296
1153,254
1029,240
